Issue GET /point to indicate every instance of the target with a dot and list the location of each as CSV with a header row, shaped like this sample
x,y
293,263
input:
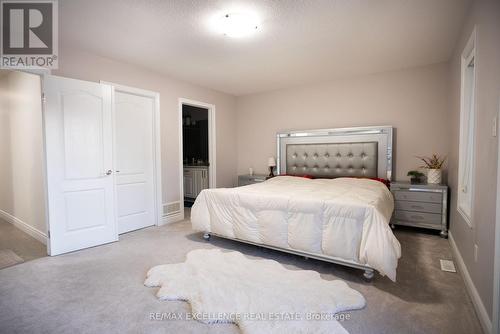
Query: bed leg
x,y
368,275
206,236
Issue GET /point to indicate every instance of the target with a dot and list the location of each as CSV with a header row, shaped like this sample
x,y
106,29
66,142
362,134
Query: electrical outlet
x,y
475,252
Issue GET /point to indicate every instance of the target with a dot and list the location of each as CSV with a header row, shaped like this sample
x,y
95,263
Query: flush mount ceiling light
x,y
237,24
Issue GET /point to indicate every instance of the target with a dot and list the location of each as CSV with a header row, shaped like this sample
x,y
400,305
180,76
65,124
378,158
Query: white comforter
x,y
345,218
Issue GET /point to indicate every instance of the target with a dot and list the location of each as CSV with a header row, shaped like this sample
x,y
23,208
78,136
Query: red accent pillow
x,y
384,181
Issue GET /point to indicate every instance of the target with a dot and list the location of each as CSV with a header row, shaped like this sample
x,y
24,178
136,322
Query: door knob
x,y
109,172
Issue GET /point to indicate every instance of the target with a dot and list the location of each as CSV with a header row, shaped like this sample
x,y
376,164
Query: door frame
x,y
158,203
42,73
212,168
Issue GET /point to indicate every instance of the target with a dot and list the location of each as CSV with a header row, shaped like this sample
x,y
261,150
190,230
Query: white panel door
x,y
134,161
78,140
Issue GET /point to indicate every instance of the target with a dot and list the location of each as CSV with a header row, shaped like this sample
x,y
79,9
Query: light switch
x,y
495,126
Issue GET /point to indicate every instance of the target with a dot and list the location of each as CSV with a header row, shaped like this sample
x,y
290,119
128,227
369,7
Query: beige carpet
x,y
8,258
24,245
100,290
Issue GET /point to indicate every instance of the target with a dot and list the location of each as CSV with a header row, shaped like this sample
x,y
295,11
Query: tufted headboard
x,y
361,152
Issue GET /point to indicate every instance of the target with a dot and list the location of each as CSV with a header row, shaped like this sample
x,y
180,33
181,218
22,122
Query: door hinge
x,y
44,99
48,234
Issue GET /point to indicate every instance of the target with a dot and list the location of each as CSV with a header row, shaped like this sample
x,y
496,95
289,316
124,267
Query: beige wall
x,y
421,103
486,16
414,101
82,65
5,165
21,145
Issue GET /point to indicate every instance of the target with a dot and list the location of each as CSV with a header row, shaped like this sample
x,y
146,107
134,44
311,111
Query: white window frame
x,y
466,163
496,276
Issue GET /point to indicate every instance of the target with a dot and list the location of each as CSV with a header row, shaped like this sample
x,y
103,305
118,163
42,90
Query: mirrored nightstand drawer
x,y
418,206
418,217
418,196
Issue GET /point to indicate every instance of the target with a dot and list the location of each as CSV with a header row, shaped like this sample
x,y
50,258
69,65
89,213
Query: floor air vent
x,y
171,208
447,265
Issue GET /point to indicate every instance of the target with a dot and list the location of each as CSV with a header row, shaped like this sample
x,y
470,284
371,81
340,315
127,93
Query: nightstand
x,y
421,205
245,180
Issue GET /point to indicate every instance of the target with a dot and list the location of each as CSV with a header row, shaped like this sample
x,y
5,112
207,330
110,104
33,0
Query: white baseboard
x,y
481,312
173,218
37,234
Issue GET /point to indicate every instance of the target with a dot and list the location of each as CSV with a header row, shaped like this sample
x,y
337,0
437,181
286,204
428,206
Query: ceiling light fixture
x,y
237,24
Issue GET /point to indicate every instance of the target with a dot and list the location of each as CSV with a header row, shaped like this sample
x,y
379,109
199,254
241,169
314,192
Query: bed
x,y
341,215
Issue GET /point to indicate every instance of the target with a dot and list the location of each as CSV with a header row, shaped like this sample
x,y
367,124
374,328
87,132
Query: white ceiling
x,y
297,42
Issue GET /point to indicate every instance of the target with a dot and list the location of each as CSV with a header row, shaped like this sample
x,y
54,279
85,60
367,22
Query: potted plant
x,y
415,176
434,166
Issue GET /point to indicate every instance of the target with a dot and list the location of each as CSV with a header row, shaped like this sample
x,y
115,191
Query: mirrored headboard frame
x,y
383,135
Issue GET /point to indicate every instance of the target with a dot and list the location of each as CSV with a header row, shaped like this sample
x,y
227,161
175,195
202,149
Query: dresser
x,y
245,180
421,205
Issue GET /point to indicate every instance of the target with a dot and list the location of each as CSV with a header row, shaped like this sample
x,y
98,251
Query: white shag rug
x,y
260,296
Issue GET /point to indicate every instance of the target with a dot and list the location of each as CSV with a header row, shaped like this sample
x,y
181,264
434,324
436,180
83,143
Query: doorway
x,y
197,149
23,230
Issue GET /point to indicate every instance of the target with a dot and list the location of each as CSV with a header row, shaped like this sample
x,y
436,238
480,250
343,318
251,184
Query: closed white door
x,y
134,160
78,145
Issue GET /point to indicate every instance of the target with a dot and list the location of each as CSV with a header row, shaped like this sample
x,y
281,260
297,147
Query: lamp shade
x,y
271,162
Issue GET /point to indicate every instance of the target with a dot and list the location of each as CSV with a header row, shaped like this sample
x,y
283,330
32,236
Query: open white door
x,y
80,183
